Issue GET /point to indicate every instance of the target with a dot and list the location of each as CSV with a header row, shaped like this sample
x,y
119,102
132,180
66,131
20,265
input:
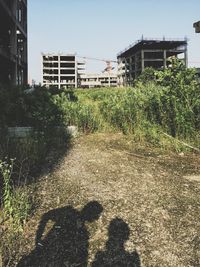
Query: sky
x,y
102,28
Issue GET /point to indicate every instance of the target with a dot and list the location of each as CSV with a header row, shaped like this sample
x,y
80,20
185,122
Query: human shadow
x,y
115,254
66,243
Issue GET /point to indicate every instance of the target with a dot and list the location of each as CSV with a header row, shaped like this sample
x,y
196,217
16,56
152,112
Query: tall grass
x,y
82,113
145,111
16,203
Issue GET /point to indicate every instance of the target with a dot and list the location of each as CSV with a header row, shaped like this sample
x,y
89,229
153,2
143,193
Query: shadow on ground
x,y
115,253
34,156
66,244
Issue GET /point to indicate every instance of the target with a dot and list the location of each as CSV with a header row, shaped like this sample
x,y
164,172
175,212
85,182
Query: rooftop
x,y
152,43
58,54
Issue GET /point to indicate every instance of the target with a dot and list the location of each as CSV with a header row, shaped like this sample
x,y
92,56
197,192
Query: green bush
x,y
173,98
20,108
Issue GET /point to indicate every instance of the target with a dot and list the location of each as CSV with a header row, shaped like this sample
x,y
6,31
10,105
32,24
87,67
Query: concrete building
x,y
13,42
198,72
148,53
105,79
62,70
196,25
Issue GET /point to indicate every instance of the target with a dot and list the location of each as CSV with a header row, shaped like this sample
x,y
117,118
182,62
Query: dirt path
x,y
151,199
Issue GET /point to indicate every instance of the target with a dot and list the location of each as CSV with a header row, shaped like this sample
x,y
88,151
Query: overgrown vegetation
x,y
165,101
160,101
20,107
16,203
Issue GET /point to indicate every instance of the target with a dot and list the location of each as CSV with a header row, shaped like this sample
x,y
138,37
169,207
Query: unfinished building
x,y
13,42
148,53
62,70
92,80
196,25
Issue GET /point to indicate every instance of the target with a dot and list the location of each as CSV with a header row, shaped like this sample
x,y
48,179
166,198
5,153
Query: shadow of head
x,y
118,231
91,211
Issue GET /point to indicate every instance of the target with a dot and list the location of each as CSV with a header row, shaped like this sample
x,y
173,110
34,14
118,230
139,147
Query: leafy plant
x,y
16,203
174,101
6,171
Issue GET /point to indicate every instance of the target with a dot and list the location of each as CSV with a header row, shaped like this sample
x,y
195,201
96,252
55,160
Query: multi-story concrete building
x,y
105,79
62,70
13,42
196,25
148,53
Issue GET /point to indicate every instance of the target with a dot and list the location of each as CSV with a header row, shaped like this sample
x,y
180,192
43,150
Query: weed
x,y
16,203
6,171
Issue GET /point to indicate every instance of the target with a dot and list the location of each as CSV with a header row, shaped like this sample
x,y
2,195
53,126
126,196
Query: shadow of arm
x,y
50,215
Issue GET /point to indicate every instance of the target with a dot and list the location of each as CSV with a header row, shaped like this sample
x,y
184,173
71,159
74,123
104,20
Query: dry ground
x,y
156,195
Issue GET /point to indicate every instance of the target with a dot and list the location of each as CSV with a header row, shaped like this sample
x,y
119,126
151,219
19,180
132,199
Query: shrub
x,y
175,103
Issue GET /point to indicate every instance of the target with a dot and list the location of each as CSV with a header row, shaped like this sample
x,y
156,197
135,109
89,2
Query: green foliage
x,y
82,114
123,110
16,203
147,76
174,101
21,108
6,171
41,111
22,207
167,99
11,105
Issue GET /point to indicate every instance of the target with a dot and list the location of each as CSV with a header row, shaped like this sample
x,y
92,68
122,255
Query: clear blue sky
x,y
102,28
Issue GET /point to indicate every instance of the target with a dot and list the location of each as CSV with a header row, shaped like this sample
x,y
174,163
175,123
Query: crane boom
x,y
99,59
108,62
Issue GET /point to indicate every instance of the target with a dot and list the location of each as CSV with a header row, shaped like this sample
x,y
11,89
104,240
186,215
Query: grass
x,y
134,111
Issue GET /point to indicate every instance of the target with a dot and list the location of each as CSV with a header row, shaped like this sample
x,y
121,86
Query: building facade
x,y
105,79
13,42
61,70
148,53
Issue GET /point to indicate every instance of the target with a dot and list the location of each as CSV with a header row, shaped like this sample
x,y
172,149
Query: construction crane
x,y
108,62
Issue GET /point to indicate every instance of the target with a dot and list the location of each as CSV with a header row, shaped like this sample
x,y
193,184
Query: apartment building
x,y
148,53
62,70
13,42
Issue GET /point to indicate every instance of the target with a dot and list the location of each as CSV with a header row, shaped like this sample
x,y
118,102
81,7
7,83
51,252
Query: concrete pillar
x,y
76,72
137,63
135,59
13,45
186,56
120,72
59,73
108,79
125,77
164,59
142,60
130,70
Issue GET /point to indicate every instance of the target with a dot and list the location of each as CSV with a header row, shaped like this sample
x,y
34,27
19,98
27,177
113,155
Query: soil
x,y
150,201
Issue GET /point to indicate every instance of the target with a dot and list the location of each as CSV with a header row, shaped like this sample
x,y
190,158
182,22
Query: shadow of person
x,y
115,254
66,243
